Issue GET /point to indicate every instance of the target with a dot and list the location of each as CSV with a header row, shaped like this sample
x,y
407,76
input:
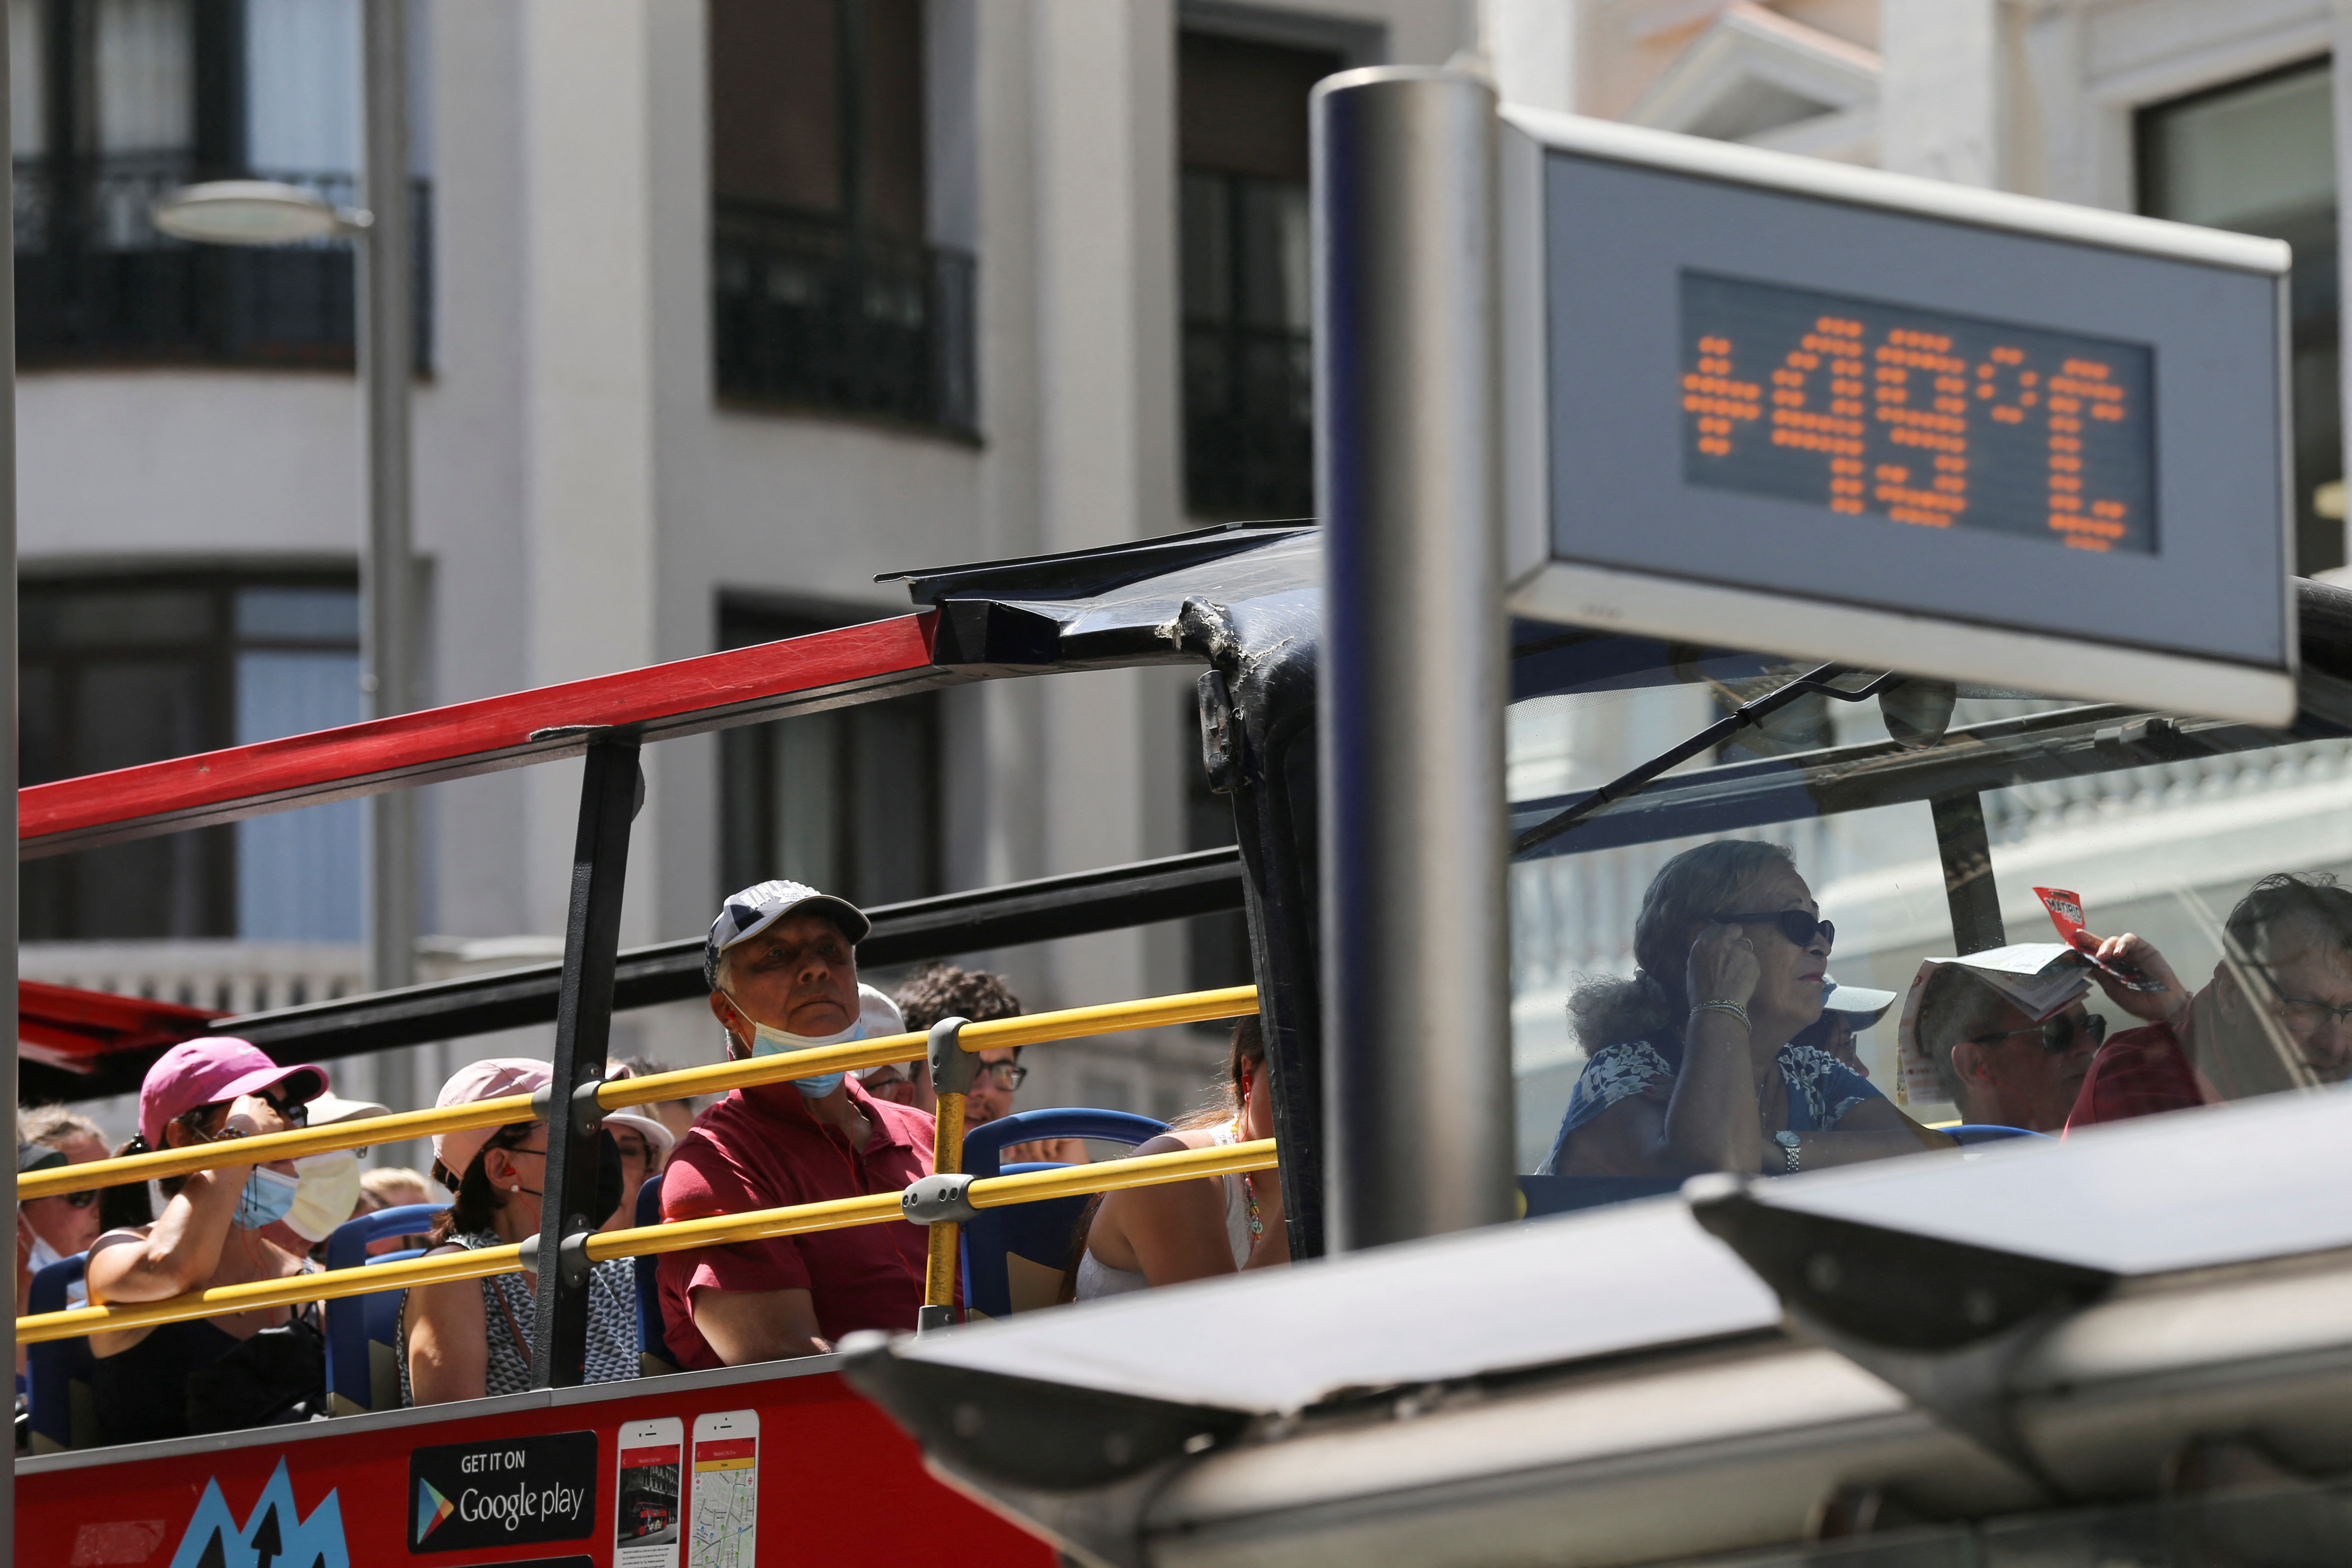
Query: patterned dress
x,y
612,1326
1821,1088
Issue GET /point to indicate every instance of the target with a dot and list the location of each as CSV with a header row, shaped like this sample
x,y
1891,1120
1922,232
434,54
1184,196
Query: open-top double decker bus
x,y
2130,1344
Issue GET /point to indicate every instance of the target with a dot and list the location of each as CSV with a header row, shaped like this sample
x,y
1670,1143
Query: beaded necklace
x,y
1249,1190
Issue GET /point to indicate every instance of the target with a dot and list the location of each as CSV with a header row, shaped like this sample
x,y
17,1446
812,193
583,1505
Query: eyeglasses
x,y
1795,924
1008,1075
2056,1035
2303,1014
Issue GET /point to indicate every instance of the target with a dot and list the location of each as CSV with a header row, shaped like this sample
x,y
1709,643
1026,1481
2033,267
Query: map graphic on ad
x,y
724,1532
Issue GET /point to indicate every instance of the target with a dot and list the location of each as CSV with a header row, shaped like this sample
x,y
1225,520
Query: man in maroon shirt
x,y
2272,1018
781,967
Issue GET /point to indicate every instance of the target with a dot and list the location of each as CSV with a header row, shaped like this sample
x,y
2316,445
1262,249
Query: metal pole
x,y
1966,849
8,652
583,1026
1413,672
387,349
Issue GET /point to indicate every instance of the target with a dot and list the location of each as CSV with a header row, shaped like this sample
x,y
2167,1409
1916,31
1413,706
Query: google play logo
x,y
431,1508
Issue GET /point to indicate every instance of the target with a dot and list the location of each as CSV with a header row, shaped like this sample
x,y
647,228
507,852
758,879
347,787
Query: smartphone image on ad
x,y
649,1495
722,1530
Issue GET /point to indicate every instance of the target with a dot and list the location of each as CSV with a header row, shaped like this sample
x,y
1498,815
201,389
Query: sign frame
x,y
1546,587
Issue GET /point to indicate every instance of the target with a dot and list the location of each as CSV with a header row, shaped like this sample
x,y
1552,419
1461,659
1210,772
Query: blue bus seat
x,y
654,1358
1565,1194
1014,1257
1987,1132
363,1373
61,1405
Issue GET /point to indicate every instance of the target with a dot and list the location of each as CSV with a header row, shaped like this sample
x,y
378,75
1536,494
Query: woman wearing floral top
x,y
1691,1068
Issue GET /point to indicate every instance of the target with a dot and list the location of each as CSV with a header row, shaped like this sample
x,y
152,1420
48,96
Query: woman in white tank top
x,y
1193,1230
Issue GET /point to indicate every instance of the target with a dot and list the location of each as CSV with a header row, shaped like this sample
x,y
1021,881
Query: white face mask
x,y
767,1040
330,1190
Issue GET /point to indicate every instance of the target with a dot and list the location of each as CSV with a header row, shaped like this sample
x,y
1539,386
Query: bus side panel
x,y
838,1483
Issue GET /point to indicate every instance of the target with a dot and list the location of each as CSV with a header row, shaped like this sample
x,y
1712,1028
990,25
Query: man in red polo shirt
x,y
781,967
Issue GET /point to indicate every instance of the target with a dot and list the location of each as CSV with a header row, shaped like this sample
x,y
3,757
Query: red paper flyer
x,y
2066,914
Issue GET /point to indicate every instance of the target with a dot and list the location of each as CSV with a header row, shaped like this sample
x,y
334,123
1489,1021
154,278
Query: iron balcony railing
x,y
808,312
98,284
1249,421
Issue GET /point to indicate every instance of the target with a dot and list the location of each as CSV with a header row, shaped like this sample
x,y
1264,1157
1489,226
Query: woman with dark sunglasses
x,y
1690,1064
171,1380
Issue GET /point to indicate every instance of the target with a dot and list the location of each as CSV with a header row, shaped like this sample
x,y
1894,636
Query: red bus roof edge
x,y
662,701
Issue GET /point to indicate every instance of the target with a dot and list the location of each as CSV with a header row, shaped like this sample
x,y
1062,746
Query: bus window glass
x,y
1920,825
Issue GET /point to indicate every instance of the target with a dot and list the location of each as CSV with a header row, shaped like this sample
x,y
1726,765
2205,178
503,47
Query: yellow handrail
x,y
837,1214
1037,1028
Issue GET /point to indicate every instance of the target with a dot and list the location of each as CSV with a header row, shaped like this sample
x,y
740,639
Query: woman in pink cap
x,y
468,1339
171,1380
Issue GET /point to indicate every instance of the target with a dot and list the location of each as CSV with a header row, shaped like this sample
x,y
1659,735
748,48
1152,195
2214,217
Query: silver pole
x,y
8,653
1416,1008
386,352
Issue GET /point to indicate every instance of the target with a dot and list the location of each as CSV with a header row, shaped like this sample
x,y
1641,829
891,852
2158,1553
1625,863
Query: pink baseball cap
x,y
497,1077
207,1071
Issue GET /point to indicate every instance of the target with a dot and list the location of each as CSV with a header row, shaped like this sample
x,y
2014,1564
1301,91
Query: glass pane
x,y
1207,240
303,101
2243,159
126,713
137,617
895,791
2210,851
299,614
806,836
28,104
300,874
146,76
2260,158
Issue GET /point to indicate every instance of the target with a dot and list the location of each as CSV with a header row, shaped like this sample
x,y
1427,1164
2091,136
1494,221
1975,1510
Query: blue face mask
x,y
267,1196
770,1041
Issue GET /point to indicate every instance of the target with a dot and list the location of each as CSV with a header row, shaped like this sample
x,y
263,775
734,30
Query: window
x,y
847,800
116,103
2174,828
824,293
1249,404
2260,157
122,670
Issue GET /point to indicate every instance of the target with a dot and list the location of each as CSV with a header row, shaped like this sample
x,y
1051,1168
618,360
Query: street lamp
x,y
254,211
267,212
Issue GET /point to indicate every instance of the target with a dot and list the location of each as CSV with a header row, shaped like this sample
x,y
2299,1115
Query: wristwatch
x,y
1789,1149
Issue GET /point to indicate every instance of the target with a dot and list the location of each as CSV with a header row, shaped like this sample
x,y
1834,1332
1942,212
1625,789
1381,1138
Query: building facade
x,y
728,306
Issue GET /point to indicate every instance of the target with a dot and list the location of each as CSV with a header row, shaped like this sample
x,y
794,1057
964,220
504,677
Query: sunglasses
x,y
2302,1012
2057,1034
1795,924
81,1200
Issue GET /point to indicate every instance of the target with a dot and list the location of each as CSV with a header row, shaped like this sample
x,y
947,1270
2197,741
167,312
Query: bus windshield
x,y
1967,916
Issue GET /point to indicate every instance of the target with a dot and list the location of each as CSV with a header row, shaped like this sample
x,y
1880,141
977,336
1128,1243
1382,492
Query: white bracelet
x,y
1734,1009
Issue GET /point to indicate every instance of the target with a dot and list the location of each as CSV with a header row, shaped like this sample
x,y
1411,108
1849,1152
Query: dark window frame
x,y
2315,334
838,310
142,297
200,898
747,850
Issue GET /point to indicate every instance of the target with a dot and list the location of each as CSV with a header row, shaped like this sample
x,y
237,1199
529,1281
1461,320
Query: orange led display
x,y
1922,418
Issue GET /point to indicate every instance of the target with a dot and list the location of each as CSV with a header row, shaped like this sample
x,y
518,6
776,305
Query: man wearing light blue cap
x,y
781,965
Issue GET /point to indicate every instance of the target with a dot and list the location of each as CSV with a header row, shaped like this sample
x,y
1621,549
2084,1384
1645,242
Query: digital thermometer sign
x,y
1760,401
1920,417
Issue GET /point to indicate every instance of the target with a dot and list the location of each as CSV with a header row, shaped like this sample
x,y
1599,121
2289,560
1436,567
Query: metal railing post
x,y
609,798
953,1069
1966,848
1416,983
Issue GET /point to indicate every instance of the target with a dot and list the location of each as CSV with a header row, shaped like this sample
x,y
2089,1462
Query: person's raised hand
x,y
1722,966
250,1116
2136,955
